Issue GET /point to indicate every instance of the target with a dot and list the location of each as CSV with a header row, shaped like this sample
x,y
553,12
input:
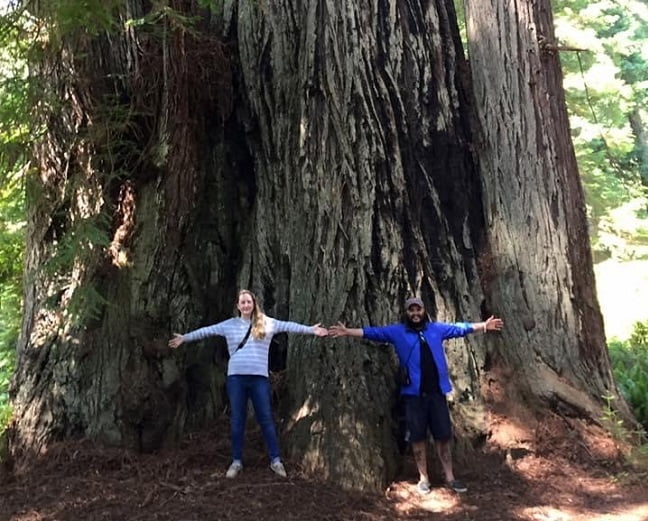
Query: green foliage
x,y
15,93
215,6
14,148
460,10
634,68
6,370
630,364
623,231
80,244
12,240
65,17
161,13
606,92
639,336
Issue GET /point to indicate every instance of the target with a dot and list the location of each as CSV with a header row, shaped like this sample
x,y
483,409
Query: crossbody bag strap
x,y
247,335
411,351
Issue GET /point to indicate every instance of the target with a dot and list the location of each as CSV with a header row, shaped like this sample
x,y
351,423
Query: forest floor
x,y
560,470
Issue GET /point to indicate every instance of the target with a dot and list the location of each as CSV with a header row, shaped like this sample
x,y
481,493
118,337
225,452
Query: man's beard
x,y
415,325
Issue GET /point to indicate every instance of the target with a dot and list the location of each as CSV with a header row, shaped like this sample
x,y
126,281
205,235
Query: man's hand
x,y
338,330
176,341
493,323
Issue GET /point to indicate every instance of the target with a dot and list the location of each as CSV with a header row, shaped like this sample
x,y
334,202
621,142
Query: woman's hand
x,y
176,341
319,330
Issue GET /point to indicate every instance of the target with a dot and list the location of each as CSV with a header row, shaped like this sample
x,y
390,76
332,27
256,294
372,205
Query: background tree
x,y
335,157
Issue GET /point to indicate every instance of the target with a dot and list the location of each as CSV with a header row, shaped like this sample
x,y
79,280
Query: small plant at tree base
x,y
612,422
635,448
6,415
630,365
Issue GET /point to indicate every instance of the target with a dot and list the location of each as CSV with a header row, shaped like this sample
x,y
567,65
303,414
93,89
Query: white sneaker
x,y
423,486
278,468
234,469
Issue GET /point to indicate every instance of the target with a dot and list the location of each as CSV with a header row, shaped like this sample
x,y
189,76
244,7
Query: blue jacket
x,y
406,343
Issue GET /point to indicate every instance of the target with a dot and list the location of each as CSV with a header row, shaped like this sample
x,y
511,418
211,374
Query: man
x,y
419,346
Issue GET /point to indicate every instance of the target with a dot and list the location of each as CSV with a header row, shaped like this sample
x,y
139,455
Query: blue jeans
x,y
240,387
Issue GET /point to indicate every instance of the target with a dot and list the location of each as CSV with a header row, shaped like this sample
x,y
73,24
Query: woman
x,y
248,339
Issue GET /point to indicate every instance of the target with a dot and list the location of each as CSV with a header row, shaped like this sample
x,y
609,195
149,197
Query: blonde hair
x,y
257,318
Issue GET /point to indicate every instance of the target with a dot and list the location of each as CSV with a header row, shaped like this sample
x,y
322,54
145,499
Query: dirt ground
x,y
562,470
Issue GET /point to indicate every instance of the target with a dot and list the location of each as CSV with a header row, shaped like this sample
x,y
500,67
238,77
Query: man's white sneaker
x,y
423,486
278,468
234,469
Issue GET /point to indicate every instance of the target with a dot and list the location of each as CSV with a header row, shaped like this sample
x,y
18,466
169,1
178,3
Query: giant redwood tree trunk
x,y
367,184
322,154
538,266
364,148
136,227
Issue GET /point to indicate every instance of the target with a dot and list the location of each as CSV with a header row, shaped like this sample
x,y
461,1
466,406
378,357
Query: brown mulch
x,y
549,474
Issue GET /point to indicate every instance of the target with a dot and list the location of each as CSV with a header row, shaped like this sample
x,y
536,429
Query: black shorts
x,y
428,412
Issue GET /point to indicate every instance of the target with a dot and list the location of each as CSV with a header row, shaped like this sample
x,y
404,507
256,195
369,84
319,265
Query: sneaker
x,y
457,486
278,468
423,486
234,469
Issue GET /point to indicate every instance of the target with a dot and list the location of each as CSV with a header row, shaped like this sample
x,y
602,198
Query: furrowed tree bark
x,y
121,159
540,262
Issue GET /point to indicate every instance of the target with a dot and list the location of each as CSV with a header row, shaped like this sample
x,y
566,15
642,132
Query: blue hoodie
x,y
406,342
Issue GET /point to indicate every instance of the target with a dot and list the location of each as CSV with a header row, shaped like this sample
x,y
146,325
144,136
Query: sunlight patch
x,y
407,499
637,513
305,410
545,514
